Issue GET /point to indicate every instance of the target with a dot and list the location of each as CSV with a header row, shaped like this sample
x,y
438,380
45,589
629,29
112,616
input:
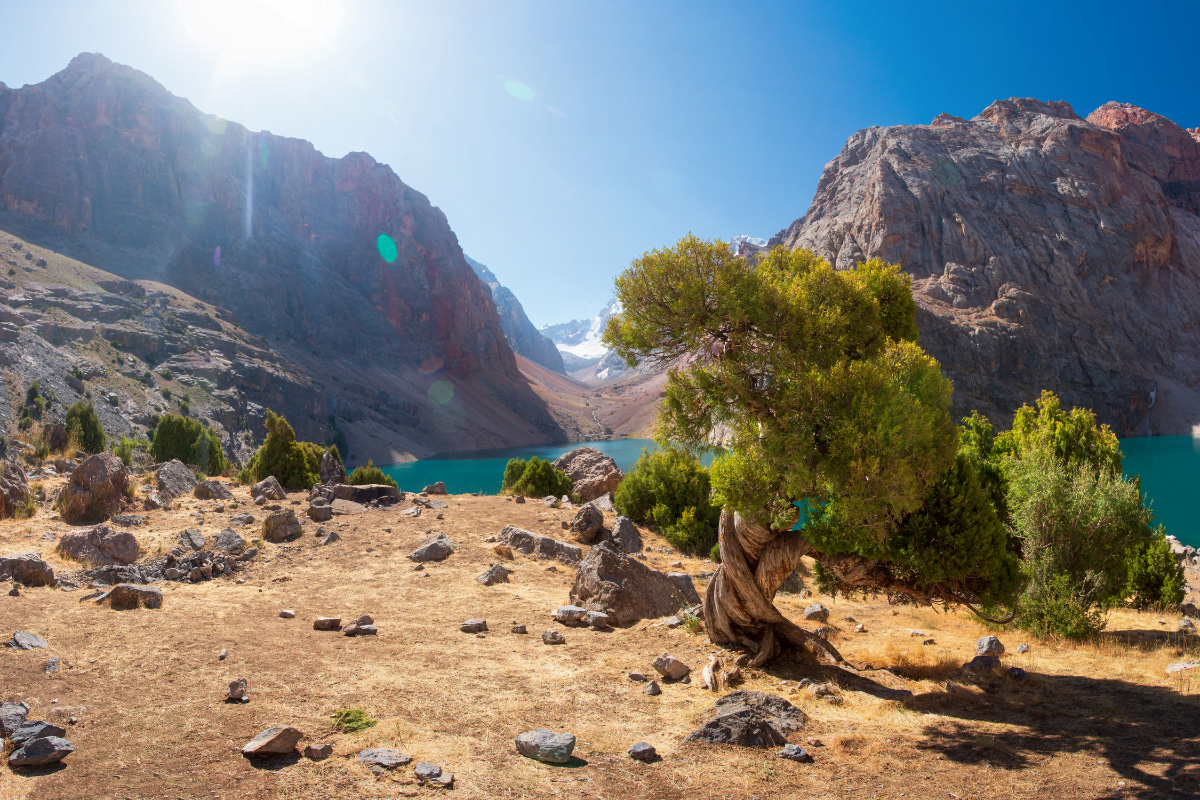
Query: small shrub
x,y
190,442
715,553
670,488
11,271
536,477
41,448
25,424
1155,577
165,374
166,392
352,720
362,476
184,408
123,450
1052,608
294,464
27,507
83,420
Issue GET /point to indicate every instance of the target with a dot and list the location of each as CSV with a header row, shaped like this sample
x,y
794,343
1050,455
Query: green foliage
x,y
25,424
715,553
83,426
536,477
165,374
1053,608
352,720
1155,576
32,393
123,450
337,455
190,442
294,464
166,392
362,476
1070,436
670,488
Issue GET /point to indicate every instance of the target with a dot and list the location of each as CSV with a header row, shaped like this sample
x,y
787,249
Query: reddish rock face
x,y
1047,251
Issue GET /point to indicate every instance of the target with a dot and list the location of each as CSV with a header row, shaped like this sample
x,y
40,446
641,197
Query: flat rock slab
x,y
277,739
39,752
750,719
474,626
99,545
212,490
327,624
539,546
367,492
129,595
543,745
192,538
384,757
1181,666
346,507
24,640
36,729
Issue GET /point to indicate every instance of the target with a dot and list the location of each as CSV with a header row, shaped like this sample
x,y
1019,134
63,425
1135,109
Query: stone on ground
x,y
384,757
551,636
474,625
541,744
318,752
331,471
40,752
642,751
625,535
12,716
569,615
670,667
269,487
35,729
276,739
212,490
27,569
192,538
435,548
653,689
281,526
99,545
493,575
327,624
794,752
366,492
750,719
94,491
237,690
535,544
229,541
587,524
129,595
989,646
816,613
435,488
608,580
24,640
591,472
174,480
14,487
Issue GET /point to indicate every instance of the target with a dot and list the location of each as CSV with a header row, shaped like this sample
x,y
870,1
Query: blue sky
x,y
563,139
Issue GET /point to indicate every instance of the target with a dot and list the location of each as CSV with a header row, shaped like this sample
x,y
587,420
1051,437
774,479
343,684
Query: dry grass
x,y
156,726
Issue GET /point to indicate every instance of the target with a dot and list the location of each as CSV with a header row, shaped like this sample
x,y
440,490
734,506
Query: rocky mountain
x,y
333,265
1048,251
580,340
521,334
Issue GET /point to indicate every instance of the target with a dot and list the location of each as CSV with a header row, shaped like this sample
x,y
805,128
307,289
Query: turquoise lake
x,y
1169,466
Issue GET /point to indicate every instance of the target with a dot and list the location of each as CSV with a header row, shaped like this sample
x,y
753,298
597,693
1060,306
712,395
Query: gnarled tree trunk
x,y
738,607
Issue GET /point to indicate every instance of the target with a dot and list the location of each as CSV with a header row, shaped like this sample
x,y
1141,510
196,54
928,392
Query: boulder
x,y
989,646
643,751
99,545
277,739
535,544
94,491
151,501
604,502
281,526
591,472
331,471
750,719
367,492
435,548
35,729
14,488
384,757
242,519
982,664
24,640
228,541
192,538
174,480
319,752
608,580
587,524
541,744
40,752
551,636
327,624
625,535
268,488
816,613
671,667
212,490
320,513
436,488
12,716
130,595
493,575
27,569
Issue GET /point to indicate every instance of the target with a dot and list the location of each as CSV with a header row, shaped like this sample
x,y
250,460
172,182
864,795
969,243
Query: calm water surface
x,y
1169,466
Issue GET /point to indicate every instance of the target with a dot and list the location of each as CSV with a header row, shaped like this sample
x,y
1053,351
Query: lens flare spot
x,y
215,124
217,257
519,90
386,246
441,392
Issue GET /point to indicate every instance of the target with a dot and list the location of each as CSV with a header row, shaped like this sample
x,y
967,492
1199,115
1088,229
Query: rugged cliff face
x,y
1048,252
341,267
521,334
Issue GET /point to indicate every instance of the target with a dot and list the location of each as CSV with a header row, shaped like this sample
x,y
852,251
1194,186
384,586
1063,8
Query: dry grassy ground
x,y
1088,718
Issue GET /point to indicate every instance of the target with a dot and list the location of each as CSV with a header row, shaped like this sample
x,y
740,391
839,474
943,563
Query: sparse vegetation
x,y
536,477
370,474
352,720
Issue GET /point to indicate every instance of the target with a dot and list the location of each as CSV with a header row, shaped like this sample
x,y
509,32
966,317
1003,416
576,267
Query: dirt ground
x,y
1091,721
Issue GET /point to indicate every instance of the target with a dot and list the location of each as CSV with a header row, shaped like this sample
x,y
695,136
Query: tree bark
x,y
738,605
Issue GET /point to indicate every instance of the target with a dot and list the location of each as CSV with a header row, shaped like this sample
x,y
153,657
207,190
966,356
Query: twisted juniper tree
x,y
811,381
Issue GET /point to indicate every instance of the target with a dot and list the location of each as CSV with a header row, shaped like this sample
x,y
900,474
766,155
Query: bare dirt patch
x,y
156,724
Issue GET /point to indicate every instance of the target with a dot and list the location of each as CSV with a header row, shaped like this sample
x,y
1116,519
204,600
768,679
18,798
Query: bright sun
x,y
261,30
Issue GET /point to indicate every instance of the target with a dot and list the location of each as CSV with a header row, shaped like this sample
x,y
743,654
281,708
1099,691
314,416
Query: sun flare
x,y
261,30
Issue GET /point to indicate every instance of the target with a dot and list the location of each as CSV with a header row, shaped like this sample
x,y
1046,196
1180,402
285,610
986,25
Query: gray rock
x,y
597,620
174,480
1022,648
519,629
12,717
129,520
224,654
130,595
605,503
327,624
212,489
550,501
192,538
330,538
424,771
1179,666
367,492
587,524
318,752
493,575
35,729
320,513
653,689
24,640
988,646
625,535
551,636
355,629
229,541
535,544
1016,673
569,615
980,664
670,667
750,719
276,739
637,676
281,526
27,569
794,752
52,665
331,471
435,548
384,757
269,488
474,625
250,553
242,519
1186,625
151,501
591,472
39,752
608,580
642,751
237,690
816,613
541,744
673,621
172,574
